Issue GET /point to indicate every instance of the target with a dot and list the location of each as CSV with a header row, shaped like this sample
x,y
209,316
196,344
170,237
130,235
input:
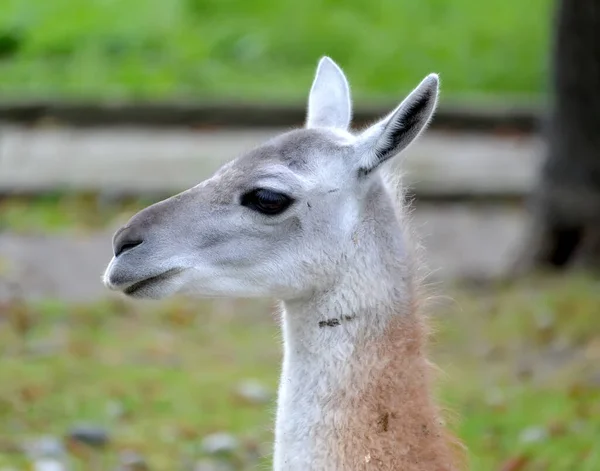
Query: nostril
x,y
125,245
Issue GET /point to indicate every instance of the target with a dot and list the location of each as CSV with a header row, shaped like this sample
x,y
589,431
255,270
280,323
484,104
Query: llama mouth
x,y
153,280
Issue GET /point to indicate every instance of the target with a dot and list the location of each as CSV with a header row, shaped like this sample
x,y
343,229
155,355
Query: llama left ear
x,y
394,133
329,100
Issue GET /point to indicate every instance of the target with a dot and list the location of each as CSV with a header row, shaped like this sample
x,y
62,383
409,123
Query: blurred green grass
x,y
263,50
60,212
520,365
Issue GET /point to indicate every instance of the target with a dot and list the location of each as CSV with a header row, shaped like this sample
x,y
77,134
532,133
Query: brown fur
x,y
391,422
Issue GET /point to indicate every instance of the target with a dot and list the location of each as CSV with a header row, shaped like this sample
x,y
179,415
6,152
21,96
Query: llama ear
x,y
329,100
394,133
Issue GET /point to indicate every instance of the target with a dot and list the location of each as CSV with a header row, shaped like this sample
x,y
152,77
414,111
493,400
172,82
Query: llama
x,y
310,219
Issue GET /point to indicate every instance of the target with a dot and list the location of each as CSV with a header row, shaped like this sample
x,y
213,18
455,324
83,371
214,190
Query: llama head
x,y
279,220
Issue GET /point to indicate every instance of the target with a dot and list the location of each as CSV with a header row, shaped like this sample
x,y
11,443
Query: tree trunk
x,y
565,206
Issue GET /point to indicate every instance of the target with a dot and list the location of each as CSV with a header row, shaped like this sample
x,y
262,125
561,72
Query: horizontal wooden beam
x,y
491,117
135,160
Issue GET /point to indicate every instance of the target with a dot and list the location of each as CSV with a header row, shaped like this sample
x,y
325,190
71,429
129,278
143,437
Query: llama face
x,y
278,221
270,223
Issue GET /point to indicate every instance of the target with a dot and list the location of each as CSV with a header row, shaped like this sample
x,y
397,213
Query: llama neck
x,y
354,392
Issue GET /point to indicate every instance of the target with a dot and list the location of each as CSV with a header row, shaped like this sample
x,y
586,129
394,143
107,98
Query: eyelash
x,y
268,202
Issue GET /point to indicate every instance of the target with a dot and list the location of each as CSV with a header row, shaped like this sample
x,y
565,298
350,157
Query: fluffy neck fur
x,y
355,387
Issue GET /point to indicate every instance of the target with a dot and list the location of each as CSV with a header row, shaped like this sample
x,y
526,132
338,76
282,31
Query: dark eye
x,y
267,201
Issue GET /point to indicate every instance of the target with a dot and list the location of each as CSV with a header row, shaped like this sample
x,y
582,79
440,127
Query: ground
x,y
520,375
116,49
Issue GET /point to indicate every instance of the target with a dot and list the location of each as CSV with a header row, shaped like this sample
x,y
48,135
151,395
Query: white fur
x,y
318,361
329,102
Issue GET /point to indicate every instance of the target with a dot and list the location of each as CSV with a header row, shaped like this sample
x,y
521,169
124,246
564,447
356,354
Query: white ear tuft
x,y
329,100
400,128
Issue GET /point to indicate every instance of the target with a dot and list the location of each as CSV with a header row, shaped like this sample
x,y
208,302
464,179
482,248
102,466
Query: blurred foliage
x,y
268,50
520,364
58,212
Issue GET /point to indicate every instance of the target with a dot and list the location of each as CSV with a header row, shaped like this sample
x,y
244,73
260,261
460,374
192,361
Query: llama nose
x,y
124,240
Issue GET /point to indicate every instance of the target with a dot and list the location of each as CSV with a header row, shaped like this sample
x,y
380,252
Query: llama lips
x,y
148,282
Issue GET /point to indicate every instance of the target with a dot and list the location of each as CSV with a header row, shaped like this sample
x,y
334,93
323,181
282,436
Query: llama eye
x,y
266,201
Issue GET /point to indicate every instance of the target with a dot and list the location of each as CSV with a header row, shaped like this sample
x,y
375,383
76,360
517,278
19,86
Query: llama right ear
x,y
329,103
394,133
